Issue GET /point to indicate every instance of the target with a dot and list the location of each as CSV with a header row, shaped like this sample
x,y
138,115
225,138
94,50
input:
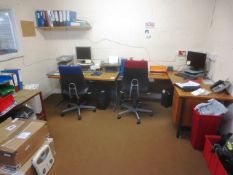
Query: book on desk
x,y
188,86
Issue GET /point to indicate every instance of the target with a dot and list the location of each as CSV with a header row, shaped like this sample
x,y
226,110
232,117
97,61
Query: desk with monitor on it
x,y
109,77
104,76
183,102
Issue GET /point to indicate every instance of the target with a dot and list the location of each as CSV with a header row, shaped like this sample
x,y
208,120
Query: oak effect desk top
x,y
105,76
158,76
219,96
24,95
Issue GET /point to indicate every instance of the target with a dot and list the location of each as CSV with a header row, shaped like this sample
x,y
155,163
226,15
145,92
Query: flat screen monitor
x,y
196,60
83,53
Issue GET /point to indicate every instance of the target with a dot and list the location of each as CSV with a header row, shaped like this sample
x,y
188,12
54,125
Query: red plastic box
x,y
203,125
220,170
207,152
6,102
214,165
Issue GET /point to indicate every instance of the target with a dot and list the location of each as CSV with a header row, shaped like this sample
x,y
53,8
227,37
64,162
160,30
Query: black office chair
x,y
134,83
74,86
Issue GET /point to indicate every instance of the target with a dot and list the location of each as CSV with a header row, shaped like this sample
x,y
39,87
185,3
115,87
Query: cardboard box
x,y
18,145
9,128
27,168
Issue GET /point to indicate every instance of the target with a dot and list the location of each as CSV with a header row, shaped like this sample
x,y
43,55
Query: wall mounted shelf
x,y
82,27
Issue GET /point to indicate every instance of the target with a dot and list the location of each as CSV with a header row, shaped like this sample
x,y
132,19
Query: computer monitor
x,y
83,53
196,60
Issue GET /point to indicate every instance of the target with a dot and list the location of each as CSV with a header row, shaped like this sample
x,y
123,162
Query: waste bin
x,y
103,99
203,125
166,97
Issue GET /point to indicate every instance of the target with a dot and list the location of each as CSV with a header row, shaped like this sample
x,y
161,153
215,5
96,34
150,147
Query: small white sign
x,y
149,25
23,135
147,34
11,127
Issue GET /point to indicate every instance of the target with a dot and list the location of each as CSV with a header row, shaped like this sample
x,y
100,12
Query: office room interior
x,y
99,143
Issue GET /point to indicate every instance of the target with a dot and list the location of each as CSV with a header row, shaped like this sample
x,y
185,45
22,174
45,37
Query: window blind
x,y
8,43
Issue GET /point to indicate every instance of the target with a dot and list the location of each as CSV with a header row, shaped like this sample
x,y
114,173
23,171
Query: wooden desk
x,y
183,102
111,76
158,76
24,96
105,76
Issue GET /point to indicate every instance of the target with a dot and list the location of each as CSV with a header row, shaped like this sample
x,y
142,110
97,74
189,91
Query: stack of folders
x,y
6,99
7,84
51,18
16,77
188,86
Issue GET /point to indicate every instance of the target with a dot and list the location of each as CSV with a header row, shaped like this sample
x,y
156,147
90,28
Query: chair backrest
x,y
135,69
71,74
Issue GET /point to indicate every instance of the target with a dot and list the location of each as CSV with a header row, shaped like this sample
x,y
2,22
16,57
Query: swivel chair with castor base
x,y
135,81
74,86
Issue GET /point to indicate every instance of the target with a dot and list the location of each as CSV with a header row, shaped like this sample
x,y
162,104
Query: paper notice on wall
x,y
149,25
147,34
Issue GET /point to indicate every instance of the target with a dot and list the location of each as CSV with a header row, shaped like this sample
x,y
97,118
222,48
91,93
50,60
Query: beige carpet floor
x,y
100,144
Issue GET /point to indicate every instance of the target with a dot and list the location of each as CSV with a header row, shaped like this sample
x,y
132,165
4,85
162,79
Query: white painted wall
x,y
220,44
220,41
35,62
118,29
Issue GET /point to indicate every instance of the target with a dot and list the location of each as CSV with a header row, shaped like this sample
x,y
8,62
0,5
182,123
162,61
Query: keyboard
x,y
96,73
186,76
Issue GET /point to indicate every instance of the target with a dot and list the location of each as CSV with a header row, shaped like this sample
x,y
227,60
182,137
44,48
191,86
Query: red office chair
x,y
135,82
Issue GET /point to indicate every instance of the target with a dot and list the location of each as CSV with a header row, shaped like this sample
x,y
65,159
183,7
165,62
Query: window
x,y
9,42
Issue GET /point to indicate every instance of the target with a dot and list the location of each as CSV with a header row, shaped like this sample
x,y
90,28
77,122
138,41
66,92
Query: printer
x,y
65,60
